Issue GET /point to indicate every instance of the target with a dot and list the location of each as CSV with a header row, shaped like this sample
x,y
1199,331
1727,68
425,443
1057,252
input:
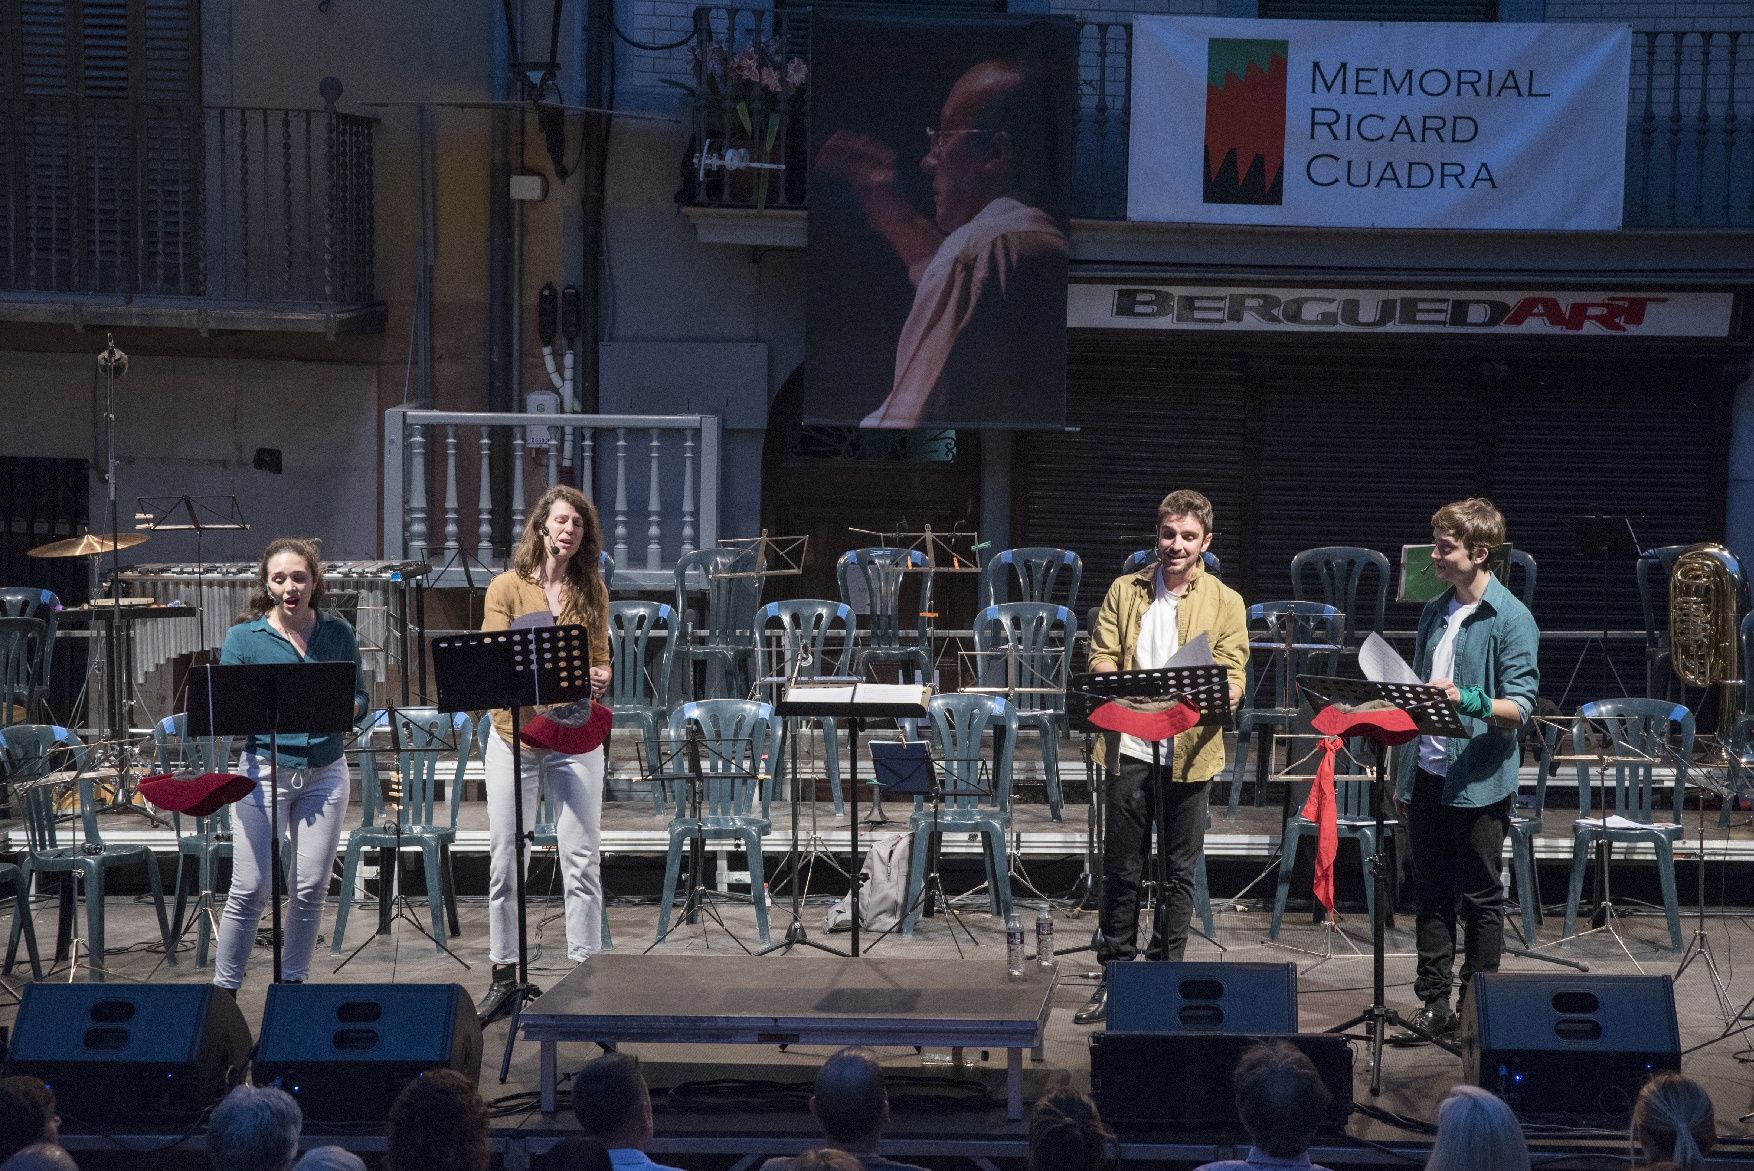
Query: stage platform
x,y
722,1106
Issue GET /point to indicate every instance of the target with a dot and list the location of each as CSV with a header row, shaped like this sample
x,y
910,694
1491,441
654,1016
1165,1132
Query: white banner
x,y
1523,312
1397,125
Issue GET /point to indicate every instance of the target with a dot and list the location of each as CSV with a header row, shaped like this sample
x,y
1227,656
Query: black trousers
x,y
1457,867
1132,804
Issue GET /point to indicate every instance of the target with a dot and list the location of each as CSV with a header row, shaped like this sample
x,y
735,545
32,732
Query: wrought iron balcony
x,y
1690,123
185,215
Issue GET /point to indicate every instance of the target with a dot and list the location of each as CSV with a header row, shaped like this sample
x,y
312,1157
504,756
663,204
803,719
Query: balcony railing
x,y
211,204
654,479
1690,123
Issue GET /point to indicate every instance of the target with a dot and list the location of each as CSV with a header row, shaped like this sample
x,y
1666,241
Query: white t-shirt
x,y
1159,638
1434,750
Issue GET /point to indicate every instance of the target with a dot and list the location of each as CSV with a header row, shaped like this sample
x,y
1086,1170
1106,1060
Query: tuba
x,y
1703,590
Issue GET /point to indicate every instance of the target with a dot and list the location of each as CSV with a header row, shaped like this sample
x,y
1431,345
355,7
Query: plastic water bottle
x,y
1044,936
1013,946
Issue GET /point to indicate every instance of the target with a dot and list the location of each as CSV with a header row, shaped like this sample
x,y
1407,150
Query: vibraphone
x,y
385,617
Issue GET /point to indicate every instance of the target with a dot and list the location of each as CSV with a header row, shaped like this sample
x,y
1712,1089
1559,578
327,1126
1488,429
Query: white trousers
x,y
313,803
575,785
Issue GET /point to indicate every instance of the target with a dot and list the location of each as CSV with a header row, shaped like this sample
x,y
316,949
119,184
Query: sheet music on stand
x,y
907,768
1433,714
529,666
1206,687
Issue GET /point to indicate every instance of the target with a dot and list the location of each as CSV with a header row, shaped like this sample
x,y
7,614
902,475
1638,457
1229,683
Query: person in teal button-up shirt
x,y
286,625
1478,643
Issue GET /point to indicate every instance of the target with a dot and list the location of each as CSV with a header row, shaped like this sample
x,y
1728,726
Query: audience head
x,y
578,1153
40,1157
1280,1098
827,1159
437,1123
1673,1120
255,1128
27,1114
611,1102
1066,1133
1476,1129
849,1102
329,1159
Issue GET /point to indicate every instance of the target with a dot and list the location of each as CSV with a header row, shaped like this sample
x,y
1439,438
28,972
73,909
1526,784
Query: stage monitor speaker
x,y
1156,997
130,1055
1170,1083
1569,1045
346,1050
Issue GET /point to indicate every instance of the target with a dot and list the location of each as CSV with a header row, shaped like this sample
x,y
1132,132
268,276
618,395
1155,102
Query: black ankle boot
x,y
500,994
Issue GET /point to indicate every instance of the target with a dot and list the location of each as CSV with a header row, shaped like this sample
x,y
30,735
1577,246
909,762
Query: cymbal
x,y
91,544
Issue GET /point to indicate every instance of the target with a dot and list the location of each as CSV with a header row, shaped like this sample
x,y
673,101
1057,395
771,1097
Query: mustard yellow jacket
x,y
1209,607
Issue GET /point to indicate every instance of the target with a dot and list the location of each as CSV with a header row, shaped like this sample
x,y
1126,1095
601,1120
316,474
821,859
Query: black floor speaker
x,y
346,1050
1155,997
1176,1083
1569,1045
140,1055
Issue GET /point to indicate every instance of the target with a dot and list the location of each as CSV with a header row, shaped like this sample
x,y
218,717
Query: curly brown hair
x,y
584,576
261,601
437,1123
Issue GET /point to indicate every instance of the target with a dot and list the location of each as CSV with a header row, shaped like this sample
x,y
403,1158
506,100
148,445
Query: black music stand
x,y
906,768
729,755
249,699
855,703
513,669
1605,537
1433,715
1206,688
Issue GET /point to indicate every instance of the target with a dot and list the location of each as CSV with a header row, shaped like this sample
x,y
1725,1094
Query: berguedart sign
x,y
1406,125
1524,312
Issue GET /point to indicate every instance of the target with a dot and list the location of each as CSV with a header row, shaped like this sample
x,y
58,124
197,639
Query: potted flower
x,y
743,102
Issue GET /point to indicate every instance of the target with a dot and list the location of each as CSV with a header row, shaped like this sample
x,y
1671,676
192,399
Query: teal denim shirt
x,y
1496,651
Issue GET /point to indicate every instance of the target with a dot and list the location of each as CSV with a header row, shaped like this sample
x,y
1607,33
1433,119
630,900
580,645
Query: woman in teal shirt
x,y
284,624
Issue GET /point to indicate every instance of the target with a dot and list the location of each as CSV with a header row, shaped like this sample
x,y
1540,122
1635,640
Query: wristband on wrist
x,y
1475,702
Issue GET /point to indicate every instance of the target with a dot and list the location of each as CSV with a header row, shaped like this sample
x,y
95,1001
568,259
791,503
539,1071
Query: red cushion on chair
x,y
198,796
1386,725
1147,721
571,728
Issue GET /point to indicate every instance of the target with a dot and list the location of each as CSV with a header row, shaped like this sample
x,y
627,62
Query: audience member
x,y
27,1115
255,1128
40,1157
578,1153
437,1123
1476,1129
1281,1100
1066,1133
851,1107
1674,1122
827,1159
612,1103
329,1159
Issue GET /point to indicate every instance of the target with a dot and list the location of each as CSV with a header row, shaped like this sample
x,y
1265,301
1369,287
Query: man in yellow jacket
x,y
1144,619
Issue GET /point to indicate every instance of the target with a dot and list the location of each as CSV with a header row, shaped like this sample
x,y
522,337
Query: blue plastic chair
x,y
45,607
807,638
1522,566
210,839
1336,575
740,743
1355,818
1525,827
719,636
1140,558
1315,630
872,582
30,754
639,691
1028,646
1655,728
421,821
1034,574
960,725
23,646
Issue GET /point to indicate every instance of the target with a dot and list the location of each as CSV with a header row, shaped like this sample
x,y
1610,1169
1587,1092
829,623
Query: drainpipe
x,y
593,167
501,362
